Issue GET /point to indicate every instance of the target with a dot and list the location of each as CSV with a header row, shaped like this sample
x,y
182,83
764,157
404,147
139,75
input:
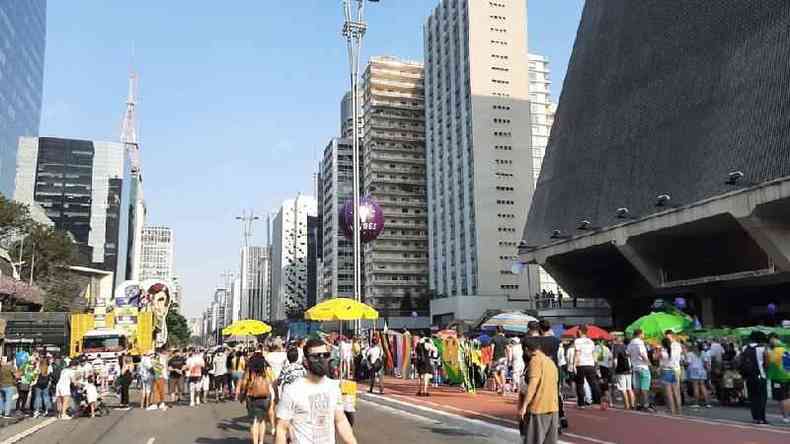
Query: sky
x,y
237,100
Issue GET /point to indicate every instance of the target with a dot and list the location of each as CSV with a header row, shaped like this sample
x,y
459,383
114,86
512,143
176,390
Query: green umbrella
x,y
655,324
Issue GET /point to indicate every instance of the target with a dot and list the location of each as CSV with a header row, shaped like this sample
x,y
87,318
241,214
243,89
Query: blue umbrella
x,y
558,330
484,339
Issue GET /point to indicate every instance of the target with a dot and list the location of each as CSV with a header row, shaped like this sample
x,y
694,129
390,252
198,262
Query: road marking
x,y
151,440
22,435
464,418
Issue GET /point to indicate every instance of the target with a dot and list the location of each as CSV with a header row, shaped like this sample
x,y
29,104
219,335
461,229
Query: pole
x,y
354,30
32,262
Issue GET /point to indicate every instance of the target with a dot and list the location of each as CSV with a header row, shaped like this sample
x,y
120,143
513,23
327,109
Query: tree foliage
x,y
178,333
14,219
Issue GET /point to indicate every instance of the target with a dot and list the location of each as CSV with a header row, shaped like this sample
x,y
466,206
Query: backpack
x,y
623,362
747,363
258,387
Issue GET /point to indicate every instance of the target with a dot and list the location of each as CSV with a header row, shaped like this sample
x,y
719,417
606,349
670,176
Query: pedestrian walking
x,y
175,367
623,373
220,370
125,381
255,391
63,388
375,359
640,364
311,409
424,365
585,368
670,375
775,356
751,364
539,398
195,364
603,360
27,376
500,359
237,368
42,402
516,361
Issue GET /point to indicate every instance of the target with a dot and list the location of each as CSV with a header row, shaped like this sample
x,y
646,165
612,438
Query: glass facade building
x,y
80,185
22,44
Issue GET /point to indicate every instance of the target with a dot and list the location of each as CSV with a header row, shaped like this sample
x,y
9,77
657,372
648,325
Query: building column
x,y
708,311
648,271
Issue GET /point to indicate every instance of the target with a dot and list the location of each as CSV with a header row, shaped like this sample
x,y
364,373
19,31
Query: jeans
x,y
8,401
587,372
41,396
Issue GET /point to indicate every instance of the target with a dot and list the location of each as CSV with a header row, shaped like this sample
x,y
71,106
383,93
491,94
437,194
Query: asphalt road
x,y
225,423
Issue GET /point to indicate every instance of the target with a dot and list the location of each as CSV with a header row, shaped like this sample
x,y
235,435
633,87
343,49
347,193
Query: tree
x,y
178,333
60,290
14,219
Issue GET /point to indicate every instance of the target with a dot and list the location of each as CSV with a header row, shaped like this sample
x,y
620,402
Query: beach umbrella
x,y
444,334
593,332
511,321
484,339
341,309
247,327
655,324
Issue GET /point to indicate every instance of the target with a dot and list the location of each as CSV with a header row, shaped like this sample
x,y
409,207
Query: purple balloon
x,y
371,219
772,308
680,303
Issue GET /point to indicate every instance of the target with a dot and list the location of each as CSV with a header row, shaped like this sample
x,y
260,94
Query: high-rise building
x,y
337,278
235,302
255,272
23,29
347,117
395,264
81,185
542,110
290,257
219,304
313,258
157,254
478,142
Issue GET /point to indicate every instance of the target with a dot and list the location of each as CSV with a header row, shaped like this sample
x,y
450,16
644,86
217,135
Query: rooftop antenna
x,y
129,125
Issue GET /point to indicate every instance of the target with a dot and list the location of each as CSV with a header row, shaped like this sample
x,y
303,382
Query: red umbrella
x,y
593,332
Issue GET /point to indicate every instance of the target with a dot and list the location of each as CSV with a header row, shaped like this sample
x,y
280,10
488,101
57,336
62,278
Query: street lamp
x,y
354,29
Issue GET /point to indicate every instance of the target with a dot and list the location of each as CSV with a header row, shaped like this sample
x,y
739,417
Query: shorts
x,y
669,376
62,391
780,390
642,378
624,382
501,365
606,375
174,385
258,408
697,374
195,380
147,385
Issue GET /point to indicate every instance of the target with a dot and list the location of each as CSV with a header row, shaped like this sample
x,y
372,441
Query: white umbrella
x,y
511,321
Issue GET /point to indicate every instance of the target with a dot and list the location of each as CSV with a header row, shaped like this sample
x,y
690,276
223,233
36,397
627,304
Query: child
x,y
91,395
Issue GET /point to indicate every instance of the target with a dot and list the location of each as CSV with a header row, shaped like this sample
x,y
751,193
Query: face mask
x,y
318,366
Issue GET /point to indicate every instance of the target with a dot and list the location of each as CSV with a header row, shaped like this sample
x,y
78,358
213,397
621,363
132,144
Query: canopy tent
x,y
514,321
247,327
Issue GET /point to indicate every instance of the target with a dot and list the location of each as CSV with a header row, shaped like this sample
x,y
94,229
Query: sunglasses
x,y
324,355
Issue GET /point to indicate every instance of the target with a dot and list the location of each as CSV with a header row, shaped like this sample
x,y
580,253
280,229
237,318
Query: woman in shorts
x,y
670,377
697,372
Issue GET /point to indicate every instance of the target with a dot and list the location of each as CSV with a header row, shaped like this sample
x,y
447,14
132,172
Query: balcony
x,y
395,136
391,104
413,85
382,123
397,181
393,73
404,158
399,237
381,259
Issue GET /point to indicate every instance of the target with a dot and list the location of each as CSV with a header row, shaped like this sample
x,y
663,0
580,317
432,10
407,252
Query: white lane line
x,y
151,440
477,422
22,435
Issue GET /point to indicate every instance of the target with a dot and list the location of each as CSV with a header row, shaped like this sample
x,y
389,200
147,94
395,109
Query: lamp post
x,y
354,29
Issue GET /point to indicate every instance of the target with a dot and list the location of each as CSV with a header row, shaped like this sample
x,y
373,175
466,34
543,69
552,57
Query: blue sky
x,y
237,100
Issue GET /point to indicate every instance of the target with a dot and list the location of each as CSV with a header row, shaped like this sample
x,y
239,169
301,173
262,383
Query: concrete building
x,y
23,31
661,178
157,254
478,148
218,307
395,264
290,258
346,117
81,185
337,276
234,302
542,110
255,283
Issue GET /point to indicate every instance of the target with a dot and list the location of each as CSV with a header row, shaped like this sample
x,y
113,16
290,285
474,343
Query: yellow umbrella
x,y
247,327
341,309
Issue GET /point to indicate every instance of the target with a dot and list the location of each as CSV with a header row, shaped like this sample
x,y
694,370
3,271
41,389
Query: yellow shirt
x,y
541,388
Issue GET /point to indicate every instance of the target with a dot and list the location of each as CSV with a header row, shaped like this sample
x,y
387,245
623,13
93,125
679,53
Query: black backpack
x,y
747,363
623,363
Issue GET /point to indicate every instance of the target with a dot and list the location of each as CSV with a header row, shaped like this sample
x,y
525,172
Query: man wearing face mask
x,y
311,408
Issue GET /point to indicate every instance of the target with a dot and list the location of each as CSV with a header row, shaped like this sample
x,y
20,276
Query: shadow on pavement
x,y
448,431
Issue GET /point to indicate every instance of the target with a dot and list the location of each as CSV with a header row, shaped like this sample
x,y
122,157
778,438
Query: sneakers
x,y
65,417
163,406
36,414
192,403
152,408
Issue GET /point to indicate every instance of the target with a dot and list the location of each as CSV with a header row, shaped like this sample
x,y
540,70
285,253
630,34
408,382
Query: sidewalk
x,y
13,430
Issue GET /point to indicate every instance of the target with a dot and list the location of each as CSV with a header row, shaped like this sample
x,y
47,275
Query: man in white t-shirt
x,y
640,365
374,356
311,408
584,358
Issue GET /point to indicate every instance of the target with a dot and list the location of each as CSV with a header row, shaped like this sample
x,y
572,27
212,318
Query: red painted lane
x,y
611,426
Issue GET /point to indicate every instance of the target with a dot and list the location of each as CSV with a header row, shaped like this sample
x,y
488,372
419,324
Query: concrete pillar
x,y
772,235
708,312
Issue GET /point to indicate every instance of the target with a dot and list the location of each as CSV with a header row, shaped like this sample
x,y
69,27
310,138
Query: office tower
x,y
480,179
81,185
220,296
396,264
289,258
313,261
542,111
22,44
337,278
346,116
157,254
255,264
235,301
